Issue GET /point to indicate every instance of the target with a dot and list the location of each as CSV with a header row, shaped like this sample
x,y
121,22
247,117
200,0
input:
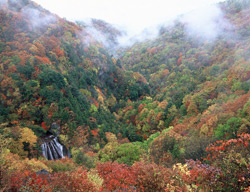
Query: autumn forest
x,y
170,113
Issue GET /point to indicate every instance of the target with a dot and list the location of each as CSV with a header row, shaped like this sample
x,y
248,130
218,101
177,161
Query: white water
x,y
52,149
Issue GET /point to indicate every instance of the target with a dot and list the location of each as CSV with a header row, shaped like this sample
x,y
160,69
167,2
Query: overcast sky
x,y
133,14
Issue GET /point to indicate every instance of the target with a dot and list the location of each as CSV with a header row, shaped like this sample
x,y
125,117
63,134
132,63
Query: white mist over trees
x,y
140,19
208,22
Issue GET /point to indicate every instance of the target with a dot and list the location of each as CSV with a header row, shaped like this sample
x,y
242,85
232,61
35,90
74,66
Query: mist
x,y
130,37
136,22
37,16
2,3
206,23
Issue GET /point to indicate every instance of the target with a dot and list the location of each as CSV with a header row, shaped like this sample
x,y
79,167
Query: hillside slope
x,y
53,70
197,83
169,114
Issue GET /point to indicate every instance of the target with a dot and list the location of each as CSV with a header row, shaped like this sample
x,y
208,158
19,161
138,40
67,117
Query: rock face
x,y
54,129
42,172
52,148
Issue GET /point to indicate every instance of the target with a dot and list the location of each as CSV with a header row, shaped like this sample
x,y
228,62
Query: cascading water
x,y
51,147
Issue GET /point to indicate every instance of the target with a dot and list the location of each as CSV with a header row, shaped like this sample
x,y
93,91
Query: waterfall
x,y
51,147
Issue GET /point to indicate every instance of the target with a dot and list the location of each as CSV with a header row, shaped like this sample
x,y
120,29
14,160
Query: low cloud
x,y
208,22
103,32
129,37
37,16
3,3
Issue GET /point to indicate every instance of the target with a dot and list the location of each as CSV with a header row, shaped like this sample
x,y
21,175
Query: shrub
x,y
61,165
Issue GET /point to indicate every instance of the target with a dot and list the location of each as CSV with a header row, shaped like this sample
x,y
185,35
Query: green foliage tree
x,y
128,153
229,129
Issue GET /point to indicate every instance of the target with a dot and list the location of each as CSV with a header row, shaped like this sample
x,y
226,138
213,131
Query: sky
x,y
132,15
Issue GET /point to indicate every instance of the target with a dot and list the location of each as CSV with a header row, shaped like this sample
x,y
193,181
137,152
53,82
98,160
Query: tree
x,y
49,77
28,136
108,153
128,153
117,177
228,130
4,142
232,157
151,177
195,147
36,183
164,149
73,181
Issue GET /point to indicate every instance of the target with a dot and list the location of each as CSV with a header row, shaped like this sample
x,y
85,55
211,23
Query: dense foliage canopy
x,y
167,114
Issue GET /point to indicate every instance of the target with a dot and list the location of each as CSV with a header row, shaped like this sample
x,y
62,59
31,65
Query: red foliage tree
x,y
73,181
118,177
59,52
41,60
151,177
232,157
179,61
237,104
37,183
43,125
202,175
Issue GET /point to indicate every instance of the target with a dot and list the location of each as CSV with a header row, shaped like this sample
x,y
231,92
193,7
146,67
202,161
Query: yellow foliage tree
x,y
14,162
108,153
100,99
28,136
4,143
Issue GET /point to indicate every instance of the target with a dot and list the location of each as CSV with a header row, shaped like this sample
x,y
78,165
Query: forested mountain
x,y
107,34
195,79
168,114
53,70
